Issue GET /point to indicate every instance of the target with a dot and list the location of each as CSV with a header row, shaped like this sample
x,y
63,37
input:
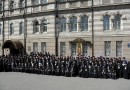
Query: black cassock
x,y
125,71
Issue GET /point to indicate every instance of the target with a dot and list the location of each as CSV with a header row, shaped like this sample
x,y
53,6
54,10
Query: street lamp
x,y
3,34
56,29
92,13
25,27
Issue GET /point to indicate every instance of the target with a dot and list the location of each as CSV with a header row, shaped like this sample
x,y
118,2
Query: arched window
x,y
1,8
43,26
35,2
11,28
106,22
21,28
84,23
43,1
117,22
35,26
11,6
0,29
63,24
21,3
73,23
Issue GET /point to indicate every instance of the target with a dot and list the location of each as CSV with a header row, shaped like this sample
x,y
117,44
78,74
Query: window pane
x,y
12,5
0,29
85,49
106,22
61,0
105,1
1,8
118,48
117,22
63,24
21,3
84,23
21,28
11,29
43,1
107,48
117,1
43,47
35,47
62,48
43,26
73,24
73,49
35,26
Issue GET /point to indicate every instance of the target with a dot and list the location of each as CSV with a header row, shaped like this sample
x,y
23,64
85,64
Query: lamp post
x,y
3,34
92,13
25,27
56,30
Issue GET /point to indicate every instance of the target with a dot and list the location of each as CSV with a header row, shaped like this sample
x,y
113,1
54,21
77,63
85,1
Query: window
x,y
35,26
35,47
62,48
0,29
84,23
43,26
35,2
118,48
43,47
21,28
11,28
106,1
11,6
62,0
21,3
117,22
63,24
85,49
106,22
43,1
73,49
73,23
107,48
1,7
118,1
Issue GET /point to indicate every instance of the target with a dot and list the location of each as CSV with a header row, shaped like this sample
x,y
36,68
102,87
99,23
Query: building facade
x,y
66,27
